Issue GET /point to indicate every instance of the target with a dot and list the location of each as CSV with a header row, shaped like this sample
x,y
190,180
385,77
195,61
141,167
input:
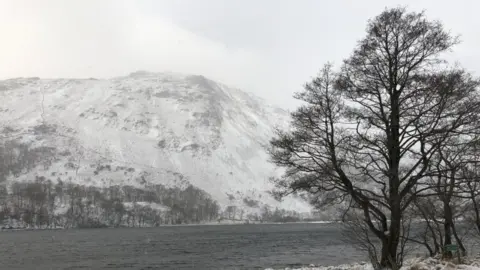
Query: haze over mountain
x,y
146,128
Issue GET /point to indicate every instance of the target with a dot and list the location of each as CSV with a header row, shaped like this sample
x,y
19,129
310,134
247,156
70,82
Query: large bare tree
x,y
369,131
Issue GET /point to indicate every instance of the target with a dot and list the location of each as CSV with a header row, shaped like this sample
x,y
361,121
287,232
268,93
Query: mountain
x,y
146,128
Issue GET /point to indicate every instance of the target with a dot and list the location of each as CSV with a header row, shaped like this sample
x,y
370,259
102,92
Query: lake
x,y
256,246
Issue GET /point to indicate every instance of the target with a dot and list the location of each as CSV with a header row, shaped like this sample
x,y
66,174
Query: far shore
x,y
226,222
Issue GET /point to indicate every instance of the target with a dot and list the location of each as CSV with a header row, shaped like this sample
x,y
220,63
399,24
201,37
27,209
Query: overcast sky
x,y
268,47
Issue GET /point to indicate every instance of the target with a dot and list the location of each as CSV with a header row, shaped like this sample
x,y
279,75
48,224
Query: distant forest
x,y
46,203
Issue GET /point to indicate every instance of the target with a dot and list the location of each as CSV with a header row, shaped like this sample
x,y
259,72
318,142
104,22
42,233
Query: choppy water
x,y
182,247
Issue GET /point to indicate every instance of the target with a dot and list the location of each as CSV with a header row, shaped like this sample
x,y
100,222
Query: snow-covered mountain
x,y
147,128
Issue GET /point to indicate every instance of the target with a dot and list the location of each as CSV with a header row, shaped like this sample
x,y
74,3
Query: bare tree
x,y
430,234
449,161
370,131
470,184
448,203
356,232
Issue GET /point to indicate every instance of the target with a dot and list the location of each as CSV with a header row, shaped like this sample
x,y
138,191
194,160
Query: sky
x,y
267,47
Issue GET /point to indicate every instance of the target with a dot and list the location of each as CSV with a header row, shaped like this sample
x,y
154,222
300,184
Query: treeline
x,y
44,204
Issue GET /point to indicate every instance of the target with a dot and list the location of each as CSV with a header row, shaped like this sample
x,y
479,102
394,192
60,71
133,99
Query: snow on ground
x,y
413,264
356,266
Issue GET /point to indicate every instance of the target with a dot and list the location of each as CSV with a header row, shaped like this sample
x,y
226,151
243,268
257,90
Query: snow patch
x,y
410,264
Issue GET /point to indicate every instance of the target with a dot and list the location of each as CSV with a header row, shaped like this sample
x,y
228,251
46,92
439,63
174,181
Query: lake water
x,y
178,247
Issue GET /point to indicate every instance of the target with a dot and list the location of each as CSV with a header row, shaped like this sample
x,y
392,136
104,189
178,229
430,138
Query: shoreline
x,y
171,225
422,263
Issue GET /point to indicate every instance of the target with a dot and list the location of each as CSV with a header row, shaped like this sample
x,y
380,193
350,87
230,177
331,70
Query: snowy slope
x,y
147,128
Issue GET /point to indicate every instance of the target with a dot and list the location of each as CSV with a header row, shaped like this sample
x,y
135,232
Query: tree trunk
x,y
389,253
390,244
459,241
448,229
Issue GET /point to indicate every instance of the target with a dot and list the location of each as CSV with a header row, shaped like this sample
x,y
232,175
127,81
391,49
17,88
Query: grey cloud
x,y
269,47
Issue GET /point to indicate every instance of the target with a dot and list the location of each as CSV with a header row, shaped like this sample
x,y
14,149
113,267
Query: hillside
x,y
145,129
